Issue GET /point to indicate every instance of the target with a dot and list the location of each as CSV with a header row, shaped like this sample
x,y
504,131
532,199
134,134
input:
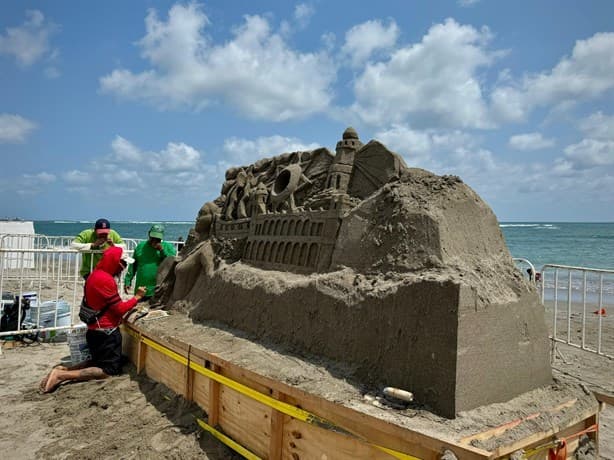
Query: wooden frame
x,y
272,424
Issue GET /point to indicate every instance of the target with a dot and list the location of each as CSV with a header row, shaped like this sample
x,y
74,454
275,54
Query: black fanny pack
x,y
87,314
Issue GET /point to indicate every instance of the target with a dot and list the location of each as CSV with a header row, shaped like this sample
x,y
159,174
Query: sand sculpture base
x,y
428,336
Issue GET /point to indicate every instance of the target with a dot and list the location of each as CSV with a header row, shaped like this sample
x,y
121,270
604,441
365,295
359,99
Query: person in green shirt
x,y
147,257
100,238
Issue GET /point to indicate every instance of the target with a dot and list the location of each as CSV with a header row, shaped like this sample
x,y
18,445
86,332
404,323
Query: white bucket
x,y
79,351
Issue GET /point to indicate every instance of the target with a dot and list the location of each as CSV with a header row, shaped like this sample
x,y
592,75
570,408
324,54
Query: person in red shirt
x,y
103,337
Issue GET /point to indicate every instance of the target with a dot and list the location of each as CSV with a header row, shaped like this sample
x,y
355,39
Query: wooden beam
x,y
214,399
277,429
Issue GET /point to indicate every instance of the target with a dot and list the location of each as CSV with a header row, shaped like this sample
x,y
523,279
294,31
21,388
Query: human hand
x,y
126,288
98,243
158,246
140,292
110,242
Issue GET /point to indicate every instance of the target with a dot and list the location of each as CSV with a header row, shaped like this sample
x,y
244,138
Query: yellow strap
x,y
280,406
226,440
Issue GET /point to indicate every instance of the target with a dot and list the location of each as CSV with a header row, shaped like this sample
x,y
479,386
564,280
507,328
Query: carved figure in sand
x,y
234,194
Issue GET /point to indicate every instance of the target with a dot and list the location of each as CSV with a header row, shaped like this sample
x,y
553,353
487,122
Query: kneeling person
x,y
103,337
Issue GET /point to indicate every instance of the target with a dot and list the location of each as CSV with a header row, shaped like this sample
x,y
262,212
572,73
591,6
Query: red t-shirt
x,y
101,290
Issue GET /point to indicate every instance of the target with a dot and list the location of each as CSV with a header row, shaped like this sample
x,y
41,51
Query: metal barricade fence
x,y
578,299
43,296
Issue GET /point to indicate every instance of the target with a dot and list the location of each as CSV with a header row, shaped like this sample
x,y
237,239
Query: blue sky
x,y
134,110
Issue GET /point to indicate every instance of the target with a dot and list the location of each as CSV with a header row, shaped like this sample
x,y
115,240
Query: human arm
x,y
132,269
85,241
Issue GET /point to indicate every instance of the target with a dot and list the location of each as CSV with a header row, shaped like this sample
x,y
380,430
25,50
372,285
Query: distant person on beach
x,y
148,256
180,244
100,237
103,337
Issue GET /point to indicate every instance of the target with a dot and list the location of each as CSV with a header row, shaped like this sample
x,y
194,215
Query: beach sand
x,y
128,416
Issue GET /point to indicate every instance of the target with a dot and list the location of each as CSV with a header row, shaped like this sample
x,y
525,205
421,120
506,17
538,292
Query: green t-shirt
x,y
89,236
146,262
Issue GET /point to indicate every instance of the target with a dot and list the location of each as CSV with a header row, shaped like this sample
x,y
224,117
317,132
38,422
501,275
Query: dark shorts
x,y
106,350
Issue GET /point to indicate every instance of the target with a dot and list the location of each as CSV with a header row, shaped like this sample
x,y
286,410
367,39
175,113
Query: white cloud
x,y
41,178
363,40
177,157
586,74
14,128
467,3
245,151
256,72
590,153
124,150
76,177
302,14
598,126
29,42
530,141
433,82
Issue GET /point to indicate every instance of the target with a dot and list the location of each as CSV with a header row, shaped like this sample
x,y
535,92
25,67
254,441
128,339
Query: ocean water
x,y
138,230
563,243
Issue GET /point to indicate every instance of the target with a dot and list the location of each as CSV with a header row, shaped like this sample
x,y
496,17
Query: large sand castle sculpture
x,y
401,274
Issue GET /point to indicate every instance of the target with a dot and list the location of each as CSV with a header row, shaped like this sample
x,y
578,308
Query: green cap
x,y
156,231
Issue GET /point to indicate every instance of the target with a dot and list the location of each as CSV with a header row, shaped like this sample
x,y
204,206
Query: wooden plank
x,y
245,421
200,391
129,346
499,430
214,399
578,423
277,429
164,369
604,398
303,441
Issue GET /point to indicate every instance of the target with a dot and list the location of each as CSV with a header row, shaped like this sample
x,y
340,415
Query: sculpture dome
x,y
350,133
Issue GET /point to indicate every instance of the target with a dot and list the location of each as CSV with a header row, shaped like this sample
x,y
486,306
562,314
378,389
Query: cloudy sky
x,y
134,110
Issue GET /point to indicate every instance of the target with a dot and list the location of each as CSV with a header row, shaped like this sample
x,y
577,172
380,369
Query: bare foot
x,y
51,382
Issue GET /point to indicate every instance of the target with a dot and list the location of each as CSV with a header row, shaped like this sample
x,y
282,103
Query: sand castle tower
x,y
341,169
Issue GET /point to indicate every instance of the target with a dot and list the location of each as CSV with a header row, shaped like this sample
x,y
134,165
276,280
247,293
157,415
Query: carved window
x,y
260,250
287,253
313,255
277,227
299,227
292,227
267,252
338,181
296,249
284,227
280,253
306,228
274,249
303,257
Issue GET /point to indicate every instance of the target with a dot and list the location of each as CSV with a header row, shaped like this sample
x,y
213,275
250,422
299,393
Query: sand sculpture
x,y
400,274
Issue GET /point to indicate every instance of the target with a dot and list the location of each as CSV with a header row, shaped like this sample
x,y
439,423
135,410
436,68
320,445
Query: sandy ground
x,y
126,417
131,417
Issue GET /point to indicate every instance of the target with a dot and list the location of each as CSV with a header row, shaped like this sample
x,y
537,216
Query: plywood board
x,y
307,442
166,370
245,420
